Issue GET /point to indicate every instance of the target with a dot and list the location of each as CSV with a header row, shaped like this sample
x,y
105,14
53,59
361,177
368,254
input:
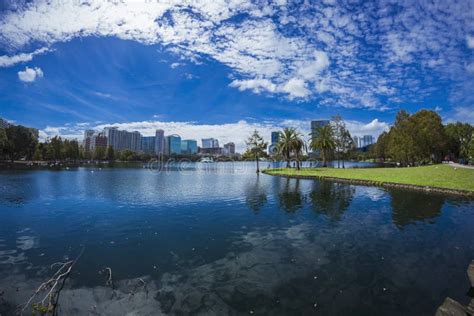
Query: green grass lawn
x,y
439,176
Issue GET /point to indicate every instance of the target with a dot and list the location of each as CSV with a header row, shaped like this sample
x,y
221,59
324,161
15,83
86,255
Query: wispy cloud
x,y
7,61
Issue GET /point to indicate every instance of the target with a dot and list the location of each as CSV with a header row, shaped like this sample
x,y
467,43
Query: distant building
x,y
189,147
367,140
159,142
4,123
122,140
356,141
210,151
229,149
93,140
275,138
315,126
173,145
148,144
210,143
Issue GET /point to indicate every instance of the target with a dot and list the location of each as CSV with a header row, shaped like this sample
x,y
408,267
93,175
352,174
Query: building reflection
x,y
290,196
409,207
331,199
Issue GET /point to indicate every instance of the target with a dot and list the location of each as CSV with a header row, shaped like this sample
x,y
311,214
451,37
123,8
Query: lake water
x,y
218,239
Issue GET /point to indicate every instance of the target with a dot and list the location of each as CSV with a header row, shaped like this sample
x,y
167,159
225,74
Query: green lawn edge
x,y
434,176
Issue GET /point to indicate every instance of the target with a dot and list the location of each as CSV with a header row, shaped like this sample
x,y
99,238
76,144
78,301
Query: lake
x,y
219,239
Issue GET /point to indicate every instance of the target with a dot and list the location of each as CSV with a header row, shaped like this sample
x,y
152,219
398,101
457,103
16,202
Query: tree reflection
x,y
331,198
410,206
255,196
290,196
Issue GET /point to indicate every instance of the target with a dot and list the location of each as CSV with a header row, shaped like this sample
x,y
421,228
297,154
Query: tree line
x,y
20,142
415,139
422,138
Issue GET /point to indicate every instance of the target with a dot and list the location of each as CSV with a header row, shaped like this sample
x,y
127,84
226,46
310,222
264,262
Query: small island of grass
x,y
435,177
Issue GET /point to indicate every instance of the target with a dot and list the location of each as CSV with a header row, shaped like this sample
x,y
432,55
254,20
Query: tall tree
x,y
459,137
380,148
401,145
290,143
110,154
3,142
21,141
323,140
257,146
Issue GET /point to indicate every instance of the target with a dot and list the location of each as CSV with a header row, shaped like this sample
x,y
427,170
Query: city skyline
x,y
356,60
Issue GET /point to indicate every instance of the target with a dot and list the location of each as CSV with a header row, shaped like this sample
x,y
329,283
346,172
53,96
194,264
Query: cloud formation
x,y
7,61
354,54
30,74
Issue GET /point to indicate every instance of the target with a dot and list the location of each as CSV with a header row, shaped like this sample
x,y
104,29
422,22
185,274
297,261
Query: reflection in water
x,y
255,195
409,207
290,195
212,242
331,199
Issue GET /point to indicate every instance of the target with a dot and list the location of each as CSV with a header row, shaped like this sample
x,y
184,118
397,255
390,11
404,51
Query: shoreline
x,y
365,182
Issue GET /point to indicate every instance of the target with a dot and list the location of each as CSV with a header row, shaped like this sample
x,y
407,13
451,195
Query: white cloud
x,y
341,55
470,42
176,65
30,74
296,88
7,61
255,85
374,128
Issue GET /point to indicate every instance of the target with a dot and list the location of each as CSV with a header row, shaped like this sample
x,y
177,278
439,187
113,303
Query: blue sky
x,y
220,69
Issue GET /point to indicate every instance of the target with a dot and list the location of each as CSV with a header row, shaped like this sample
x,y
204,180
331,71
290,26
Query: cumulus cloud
x,y
7,61
255,85
30,74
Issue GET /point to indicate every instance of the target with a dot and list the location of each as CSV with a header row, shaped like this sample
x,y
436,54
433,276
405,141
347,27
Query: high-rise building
x,y
122,140
4,123
93,140
229,149
159,142
148,144
356,141
173,145
189,147
210,143
368,140
275,137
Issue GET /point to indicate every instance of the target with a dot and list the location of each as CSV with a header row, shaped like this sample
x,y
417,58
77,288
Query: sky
x,y
223,68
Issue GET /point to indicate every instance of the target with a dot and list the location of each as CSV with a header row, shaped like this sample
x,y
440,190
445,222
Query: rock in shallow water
x,y
451,308
470,273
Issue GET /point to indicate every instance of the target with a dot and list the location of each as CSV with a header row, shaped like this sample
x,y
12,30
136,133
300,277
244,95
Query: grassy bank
x,y
438,176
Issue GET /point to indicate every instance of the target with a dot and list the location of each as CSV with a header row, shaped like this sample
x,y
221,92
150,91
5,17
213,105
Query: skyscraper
x,y
148,144
173,145
275,137
159,142
356,141
368,140
210,143
189,147
229,149
122,140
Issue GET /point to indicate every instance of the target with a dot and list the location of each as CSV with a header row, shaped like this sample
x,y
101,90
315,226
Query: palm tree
x,y
285,144
323,139
257,146
290,142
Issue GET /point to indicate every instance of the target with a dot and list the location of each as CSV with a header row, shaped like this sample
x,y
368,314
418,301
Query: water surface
x,y
218,239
